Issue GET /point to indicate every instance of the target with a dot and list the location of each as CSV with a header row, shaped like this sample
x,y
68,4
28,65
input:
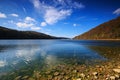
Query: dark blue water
x,y
15,54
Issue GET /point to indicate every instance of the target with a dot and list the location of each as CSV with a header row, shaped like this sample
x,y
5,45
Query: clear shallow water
x,y
17,54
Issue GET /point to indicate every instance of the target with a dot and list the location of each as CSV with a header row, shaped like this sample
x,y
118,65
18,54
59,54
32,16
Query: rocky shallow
x,y
108,70
71,69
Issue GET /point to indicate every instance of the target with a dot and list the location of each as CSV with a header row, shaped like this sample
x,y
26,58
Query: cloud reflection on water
x,y
27,54
2,63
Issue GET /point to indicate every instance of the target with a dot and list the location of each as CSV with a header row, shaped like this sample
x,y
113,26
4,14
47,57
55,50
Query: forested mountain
x,y
6,33
107,30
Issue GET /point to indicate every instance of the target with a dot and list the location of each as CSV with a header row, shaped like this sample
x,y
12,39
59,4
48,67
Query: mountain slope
x,y
6,33
107,30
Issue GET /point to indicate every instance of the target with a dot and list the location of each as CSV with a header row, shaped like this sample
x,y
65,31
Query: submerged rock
x,y
31,79
25,77
48,72
67,77
95,73
79,79
18,78
119,66
74,71
112,77
82,75
62,73
50,77
95,77
56,73
117,76
116,70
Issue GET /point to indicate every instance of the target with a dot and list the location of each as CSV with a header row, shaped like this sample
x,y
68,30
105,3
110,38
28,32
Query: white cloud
x,y
78,5
24,25
14,15
2,15
60,1
11,21
35,28
74,25
117,11
69,4
29,19
52,13
28,22
43,24
24,10
36,3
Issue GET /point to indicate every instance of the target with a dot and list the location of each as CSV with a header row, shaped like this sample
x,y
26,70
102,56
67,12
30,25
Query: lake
x,y
17,55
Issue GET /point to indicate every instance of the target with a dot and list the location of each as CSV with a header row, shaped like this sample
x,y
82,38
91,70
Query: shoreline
x,y
99,39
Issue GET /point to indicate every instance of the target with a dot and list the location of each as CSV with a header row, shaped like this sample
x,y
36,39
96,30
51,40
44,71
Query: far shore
x,y
100,39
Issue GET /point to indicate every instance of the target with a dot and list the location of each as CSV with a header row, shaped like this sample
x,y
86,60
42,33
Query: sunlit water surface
x,y
17,54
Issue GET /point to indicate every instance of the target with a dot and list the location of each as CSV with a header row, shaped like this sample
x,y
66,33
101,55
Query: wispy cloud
x,y
67,4
35,28
24,10
29,19
2,15
52,13
11,22
14,15
43,24
65,23
36,3
117,11
77,5
74,25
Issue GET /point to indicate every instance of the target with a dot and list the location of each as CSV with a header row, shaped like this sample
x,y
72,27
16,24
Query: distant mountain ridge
x,y
6,33
107,30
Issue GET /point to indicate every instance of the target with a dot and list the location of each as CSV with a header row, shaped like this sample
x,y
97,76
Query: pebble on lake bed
x,y
117,76
56,73
112,77
25,77
95,73
119,66
79,79
116,70
82,75
74,71
18,78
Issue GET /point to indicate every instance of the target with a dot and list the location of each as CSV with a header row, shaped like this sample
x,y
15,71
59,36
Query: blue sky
x,y
65,18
